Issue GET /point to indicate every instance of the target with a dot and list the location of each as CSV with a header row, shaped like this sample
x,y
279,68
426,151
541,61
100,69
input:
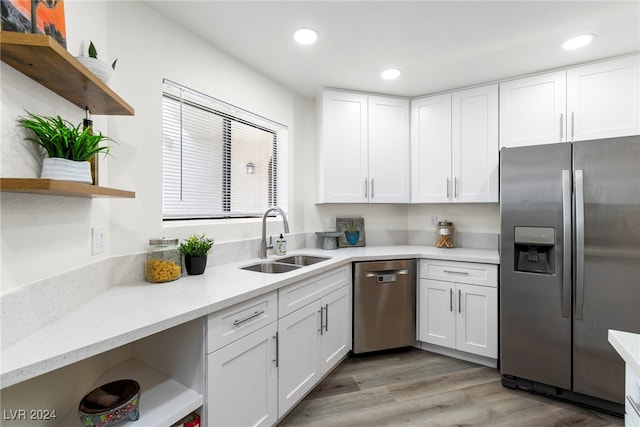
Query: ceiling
x,y
439,45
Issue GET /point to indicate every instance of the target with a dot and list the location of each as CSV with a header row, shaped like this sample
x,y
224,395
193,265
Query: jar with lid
x,y
444,234
164,261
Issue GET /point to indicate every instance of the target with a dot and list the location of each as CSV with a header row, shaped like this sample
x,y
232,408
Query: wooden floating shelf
x,y
54,187
43,59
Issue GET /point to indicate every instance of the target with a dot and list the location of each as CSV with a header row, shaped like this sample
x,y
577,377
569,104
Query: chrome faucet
x,y
263,242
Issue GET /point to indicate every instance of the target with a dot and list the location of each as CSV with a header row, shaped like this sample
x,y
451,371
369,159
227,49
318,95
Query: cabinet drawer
x,y
232,323
300,294
460,272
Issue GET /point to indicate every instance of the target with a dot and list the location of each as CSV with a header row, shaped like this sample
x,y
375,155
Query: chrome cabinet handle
x,y
326,317
448,187
561,126
277,359
455,190
366,189
464,273
249,317
573,124
459,301
579,304
372,193
451,300
321,311
566,244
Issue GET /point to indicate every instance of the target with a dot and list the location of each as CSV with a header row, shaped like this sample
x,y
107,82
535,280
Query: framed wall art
x,y
352,230
35,16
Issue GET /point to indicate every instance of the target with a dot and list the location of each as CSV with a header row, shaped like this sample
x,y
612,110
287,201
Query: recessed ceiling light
x,y
391,74
578,41
305,35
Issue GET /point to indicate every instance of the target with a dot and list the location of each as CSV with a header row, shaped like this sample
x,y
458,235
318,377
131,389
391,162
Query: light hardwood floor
x,y
418,388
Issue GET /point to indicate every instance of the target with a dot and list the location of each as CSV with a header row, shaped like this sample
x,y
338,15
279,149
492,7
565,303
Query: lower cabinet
x,y
259,366
312,340
458,306
242,383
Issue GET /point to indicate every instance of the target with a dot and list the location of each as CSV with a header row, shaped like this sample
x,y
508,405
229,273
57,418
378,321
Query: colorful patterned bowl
x,y
110,403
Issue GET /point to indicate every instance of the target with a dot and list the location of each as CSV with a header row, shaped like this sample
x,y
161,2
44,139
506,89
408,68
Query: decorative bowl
x,y
100,68
110,403
329,239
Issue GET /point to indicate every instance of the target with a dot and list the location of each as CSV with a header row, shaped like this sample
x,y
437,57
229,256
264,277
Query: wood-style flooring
x,y
418,388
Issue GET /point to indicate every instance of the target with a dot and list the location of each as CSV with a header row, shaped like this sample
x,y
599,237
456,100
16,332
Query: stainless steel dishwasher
x,y
384,305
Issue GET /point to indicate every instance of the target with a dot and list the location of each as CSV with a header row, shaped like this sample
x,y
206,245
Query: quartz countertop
x,y
124,314
627,344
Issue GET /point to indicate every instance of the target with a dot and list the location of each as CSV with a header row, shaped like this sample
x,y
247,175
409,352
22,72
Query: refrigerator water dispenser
x,y
534,249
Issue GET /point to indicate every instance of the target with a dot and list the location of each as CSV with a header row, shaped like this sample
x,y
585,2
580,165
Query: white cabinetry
x,y
454,145
599,100
458,307
242,364
314,333
363,154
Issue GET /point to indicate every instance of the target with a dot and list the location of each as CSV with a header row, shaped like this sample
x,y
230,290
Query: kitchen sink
x,y
283,265
271,267
302,260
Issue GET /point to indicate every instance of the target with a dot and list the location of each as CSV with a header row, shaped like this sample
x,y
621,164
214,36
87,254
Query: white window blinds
x,y
219,161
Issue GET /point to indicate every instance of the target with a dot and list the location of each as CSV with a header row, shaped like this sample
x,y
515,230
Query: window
x,y
219,161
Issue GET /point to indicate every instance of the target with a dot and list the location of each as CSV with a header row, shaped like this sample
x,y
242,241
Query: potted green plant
x,y
195,250
98,67
68,147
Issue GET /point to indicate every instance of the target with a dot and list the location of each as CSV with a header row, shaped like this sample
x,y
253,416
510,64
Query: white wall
x,y
45,235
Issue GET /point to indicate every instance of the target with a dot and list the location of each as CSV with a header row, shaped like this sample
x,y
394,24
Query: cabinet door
x,y
474,145
242,381
388,150
431,149
336,328
437,318
343,167
533,110
299,346
603,99
477,320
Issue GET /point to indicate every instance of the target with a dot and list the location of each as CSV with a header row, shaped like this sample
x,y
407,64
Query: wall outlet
x,y
98,240
332,222
434,220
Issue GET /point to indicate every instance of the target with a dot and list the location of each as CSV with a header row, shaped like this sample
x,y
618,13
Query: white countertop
x,y
124,314
627,344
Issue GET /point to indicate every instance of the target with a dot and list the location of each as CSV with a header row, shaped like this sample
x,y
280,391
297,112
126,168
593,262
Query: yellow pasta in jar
x,y
162,271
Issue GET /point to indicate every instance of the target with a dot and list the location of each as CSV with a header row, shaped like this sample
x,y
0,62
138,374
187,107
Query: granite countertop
x,y
627,344
123,314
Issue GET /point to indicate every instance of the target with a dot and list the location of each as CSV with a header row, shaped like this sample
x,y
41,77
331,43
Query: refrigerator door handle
x,y
566,244
579,182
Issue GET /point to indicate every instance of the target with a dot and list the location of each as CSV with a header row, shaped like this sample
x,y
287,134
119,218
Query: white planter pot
x,y
67,170
100,68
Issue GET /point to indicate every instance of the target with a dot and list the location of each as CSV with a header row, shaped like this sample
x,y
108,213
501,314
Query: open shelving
x,y
44,60
56,187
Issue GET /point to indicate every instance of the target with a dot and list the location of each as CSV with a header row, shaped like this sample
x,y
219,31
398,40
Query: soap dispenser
x,y
281,245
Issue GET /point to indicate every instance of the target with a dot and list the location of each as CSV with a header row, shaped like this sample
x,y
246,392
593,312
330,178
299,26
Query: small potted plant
x,y
352,234
195,250
68,147
98,67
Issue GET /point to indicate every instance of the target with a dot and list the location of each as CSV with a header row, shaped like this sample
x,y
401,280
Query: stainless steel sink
x,y
271,267
302,260
283,265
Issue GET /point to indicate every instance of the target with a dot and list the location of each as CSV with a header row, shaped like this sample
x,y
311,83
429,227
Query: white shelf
x,y
163,401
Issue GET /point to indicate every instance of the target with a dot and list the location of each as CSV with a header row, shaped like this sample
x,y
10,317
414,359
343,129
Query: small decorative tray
x,y
110,403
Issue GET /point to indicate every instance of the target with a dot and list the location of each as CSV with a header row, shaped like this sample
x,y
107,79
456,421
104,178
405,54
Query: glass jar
x,y
164,261
444,234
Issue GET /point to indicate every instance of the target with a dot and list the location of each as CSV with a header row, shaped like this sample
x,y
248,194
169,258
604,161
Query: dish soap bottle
x,y
281,245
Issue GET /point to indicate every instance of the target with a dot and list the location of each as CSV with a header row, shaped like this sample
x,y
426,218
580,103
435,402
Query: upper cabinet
x,y
44,60
599,100
454,146
363,152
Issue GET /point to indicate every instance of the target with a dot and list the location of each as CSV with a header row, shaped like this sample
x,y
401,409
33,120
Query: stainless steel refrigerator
x,y
570,267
